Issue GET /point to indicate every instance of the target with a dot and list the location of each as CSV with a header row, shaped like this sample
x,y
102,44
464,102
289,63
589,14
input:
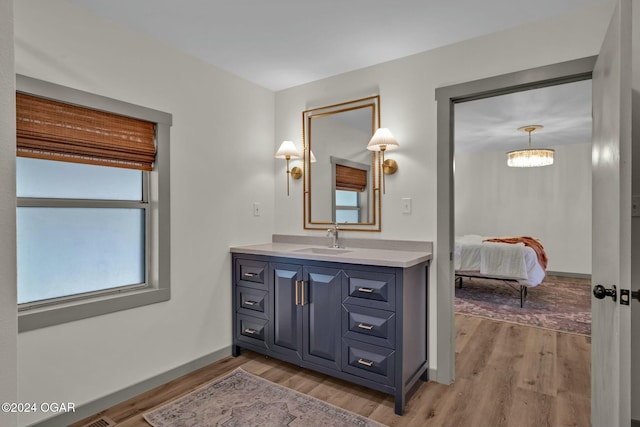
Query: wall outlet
x,y
257,209
406,205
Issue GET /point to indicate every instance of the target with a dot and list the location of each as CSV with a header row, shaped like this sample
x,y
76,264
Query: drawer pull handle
x,y
250,331
250,303
363,326
365,362
366,290
249,274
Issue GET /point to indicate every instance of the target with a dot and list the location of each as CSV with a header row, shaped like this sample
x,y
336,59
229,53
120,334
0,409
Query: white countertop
x,y
396,257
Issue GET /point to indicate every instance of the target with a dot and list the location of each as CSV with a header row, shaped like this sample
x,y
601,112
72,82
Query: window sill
x,y
43,317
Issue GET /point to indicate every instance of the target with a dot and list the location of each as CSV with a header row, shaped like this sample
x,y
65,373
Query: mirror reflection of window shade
x,y
350,179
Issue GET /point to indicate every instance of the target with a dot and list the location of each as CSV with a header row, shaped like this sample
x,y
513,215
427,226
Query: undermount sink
x,y
324,251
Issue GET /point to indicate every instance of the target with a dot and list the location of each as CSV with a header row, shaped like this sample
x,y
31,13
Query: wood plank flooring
x,y
506,375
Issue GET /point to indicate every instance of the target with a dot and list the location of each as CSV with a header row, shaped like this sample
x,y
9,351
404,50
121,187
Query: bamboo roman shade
x,y
54,130
350,179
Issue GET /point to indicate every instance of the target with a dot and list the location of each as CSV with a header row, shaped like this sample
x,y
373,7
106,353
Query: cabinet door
x,y
322,316
287,314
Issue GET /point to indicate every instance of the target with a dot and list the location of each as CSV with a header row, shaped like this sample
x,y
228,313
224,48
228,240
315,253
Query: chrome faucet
x,y
333,232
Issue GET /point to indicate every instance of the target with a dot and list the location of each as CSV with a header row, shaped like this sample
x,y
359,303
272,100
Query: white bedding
x,y
500,260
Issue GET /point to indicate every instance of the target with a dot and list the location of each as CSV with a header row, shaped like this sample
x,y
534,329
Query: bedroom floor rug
x,y
242,399
558,303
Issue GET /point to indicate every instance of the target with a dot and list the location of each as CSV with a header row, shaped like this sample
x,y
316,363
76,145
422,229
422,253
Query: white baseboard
x,y
565,274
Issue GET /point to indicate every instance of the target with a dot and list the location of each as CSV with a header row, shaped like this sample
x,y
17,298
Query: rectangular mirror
x,y
341,177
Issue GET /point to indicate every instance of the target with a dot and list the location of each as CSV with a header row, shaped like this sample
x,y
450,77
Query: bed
x,y
518,261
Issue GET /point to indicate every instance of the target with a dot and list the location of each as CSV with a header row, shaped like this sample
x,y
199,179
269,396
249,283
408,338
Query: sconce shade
x,y
287,151
382,140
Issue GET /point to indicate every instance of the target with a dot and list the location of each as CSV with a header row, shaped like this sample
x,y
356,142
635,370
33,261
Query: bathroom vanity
x,y
358,313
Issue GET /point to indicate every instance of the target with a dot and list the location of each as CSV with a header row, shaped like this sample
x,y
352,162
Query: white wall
x,y
221,161
408,108
8,297
552,203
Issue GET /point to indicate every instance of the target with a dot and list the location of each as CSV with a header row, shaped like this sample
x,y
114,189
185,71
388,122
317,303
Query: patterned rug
x,y
242,399
558,303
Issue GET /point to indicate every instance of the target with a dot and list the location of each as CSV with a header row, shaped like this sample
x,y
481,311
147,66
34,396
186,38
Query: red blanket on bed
x,y
528,241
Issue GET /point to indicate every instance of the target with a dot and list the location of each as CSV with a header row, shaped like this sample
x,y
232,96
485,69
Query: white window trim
x,y
158,251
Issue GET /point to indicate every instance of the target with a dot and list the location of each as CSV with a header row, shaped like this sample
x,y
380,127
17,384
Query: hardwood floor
x,y
506,375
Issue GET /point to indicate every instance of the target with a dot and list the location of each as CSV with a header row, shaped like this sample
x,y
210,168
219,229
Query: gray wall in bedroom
x,y
552,203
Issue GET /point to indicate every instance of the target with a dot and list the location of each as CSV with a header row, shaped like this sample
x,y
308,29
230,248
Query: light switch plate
x,y
257,209
406,205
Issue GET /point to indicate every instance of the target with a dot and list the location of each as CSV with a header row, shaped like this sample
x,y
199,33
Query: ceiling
x,y
279,44
491,124
284,43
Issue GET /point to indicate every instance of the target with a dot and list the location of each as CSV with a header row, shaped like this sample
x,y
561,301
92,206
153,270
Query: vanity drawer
x,y
251,273
251,330
369,325
253,302
371,289
368,361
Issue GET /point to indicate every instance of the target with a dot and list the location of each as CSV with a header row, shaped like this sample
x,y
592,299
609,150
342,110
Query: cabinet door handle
x,y
363,326
249,274
365,362
250,331
300,293
250,303
366,290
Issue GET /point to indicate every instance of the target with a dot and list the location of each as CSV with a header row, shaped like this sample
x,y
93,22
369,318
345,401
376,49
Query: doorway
x,y
551,205
447,97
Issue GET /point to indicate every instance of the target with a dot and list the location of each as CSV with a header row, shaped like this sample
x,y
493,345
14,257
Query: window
x,y
81,229
347,206
350,183
87,173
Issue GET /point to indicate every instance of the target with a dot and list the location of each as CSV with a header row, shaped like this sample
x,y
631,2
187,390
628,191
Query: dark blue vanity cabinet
x,y
361,323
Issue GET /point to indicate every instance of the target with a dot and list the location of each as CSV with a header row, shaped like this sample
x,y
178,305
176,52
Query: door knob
x,y
600,292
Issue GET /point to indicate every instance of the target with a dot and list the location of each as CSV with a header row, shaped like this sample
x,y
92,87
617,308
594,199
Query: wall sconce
x,y
383,141
288,151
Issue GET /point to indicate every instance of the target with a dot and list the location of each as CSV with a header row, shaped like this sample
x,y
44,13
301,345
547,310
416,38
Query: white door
x,y
611,156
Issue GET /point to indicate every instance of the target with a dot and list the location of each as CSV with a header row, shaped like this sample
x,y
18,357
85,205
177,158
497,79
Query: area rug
x,y
561,304
242,399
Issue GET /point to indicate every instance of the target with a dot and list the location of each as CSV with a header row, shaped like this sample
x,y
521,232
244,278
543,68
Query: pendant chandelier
x,y
530,157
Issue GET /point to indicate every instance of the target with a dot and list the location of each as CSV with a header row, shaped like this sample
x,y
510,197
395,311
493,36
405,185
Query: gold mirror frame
x,y
373,222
